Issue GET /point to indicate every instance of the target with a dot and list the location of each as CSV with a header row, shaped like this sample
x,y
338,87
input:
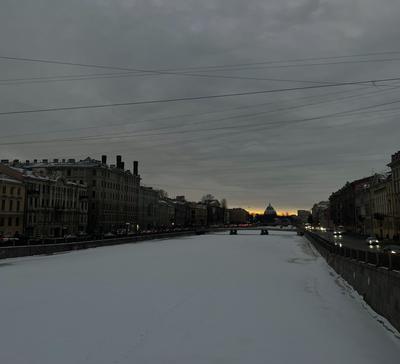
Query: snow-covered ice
x,y
204,299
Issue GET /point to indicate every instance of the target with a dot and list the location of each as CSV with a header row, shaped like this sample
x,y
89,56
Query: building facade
x,y
394,194
363,205
148,208
303,216
350,206
215,213
382,219
198,214
182,212
238,216
320,213
166,213
112,191
53,207
12,206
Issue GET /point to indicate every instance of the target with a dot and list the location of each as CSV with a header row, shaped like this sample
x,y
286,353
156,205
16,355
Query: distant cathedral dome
x,y
270,211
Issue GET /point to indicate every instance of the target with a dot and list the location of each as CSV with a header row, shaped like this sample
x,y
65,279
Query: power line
x,y
240,116
224,128
286,61
260,66
178,71
66,78
197,114
80,64
194,98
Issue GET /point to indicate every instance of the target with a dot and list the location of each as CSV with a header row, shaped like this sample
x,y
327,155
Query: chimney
x,y
123,166
55,160
35,161
135,168
104,159
119,161
27,161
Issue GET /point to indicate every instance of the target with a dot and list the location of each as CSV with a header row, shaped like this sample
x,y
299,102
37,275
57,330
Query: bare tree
x,y
224,203
208,197
162,194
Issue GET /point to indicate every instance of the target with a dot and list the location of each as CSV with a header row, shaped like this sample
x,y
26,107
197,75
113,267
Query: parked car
x,y
8,240
337,235
372,240
109,235
393,249
338,230
121,232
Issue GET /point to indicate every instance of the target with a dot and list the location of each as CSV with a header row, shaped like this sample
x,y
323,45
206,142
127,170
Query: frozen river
x,y
204,299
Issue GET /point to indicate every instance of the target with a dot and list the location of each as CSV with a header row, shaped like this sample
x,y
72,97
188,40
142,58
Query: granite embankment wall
x,y
375,276
43,249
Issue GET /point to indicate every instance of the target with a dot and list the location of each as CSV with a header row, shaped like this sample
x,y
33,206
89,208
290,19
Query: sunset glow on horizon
x,y
279,212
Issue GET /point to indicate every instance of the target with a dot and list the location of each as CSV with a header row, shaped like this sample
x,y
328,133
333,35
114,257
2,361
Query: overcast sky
x,y
250,150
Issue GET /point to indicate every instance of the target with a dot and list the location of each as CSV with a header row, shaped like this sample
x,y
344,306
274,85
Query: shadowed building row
x,y
60,197
371,205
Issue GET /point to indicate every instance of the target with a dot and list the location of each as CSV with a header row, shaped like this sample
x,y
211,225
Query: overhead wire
x,y
197,98
224,128
230,117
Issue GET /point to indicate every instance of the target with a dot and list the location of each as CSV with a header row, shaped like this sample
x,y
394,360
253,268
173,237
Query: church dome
x,y
270,210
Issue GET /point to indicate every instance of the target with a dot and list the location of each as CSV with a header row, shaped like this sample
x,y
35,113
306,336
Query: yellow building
x,y
12,203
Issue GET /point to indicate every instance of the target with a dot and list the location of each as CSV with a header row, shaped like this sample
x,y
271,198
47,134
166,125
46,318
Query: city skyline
x,y
293,143
194,182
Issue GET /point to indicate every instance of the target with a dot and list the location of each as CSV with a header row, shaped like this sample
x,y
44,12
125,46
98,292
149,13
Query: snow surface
x,y
204,299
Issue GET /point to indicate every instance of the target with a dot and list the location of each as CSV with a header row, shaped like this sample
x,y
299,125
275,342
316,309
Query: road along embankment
x,y
374,275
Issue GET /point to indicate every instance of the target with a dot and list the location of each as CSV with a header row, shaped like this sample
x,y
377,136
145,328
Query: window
x,y
94,183
3,205
68,172
18,205
4,189
1,221
17,221
11,205
10,221
19,191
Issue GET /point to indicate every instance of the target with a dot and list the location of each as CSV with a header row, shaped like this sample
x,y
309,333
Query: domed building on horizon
x,y
269,215
270,211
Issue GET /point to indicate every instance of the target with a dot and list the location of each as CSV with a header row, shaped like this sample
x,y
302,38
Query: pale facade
x,y
112,190
53,207
382,222
12,204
